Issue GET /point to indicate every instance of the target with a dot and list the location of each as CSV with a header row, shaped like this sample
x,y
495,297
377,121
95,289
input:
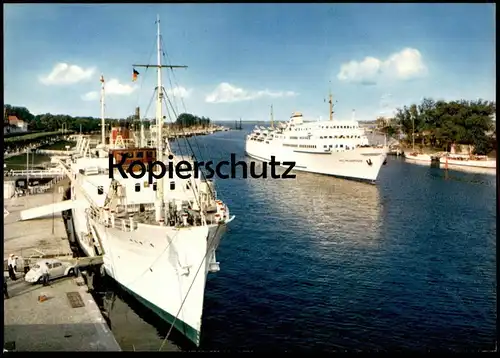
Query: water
x,y
327,264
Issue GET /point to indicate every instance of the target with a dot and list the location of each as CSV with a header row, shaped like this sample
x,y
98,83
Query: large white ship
x,y
158,240
337,148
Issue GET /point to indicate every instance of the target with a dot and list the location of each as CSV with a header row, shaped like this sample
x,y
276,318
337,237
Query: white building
x,y
15,125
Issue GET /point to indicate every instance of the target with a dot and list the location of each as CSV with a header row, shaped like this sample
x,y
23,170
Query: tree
x,y
444,123
53,122
189,120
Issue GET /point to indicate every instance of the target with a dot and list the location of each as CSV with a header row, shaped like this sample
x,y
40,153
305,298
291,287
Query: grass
x,y
18,162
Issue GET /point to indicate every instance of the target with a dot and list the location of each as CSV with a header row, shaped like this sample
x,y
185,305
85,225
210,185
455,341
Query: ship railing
x,y
35,173
110,220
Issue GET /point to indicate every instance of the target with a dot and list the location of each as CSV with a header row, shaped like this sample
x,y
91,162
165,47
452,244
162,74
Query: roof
x,y
14,120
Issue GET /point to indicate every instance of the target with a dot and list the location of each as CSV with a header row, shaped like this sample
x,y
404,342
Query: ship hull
x,y
360,164
487,164
424,158
165,268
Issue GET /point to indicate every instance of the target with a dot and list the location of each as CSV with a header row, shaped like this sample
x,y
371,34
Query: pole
x,y
103,128
27,171
331,106
53,209
272,117
413,127
159,123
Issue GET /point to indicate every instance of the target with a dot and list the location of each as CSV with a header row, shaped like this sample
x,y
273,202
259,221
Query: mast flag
x,y
102,79
134,75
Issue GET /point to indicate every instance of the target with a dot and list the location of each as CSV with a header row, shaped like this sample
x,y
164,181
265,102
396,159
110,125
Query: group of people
x,y
12,268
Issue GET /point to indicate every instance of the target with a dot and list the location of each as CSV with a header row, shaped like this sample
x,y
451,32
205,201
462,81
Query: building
x,y
14,125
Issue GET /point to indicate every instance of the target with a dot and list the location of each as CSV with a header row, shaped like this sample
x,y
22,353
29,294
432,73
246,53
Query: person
x,y
5,292
11,264
45,274
15,263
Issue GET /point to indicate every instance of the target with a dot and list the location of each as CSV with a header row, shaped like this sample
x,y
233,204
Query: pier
x,y
62,316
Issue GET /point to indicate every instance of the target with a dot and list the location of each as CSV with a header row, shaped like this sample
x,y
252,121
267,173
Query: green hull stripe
x,y
188,331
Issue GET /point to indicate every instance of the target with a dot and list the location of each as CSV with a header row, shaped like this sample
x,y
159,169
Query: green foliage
x,y
441,123
54,122
389,130
189,120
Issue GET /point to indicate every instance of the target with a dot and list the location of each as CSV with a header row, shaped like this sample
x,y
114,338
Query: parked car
x,y
56,267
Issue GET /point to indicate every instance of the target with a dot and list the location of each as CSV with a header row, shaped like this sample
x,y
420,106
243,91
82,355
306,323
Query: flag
x,y
134,75
102,79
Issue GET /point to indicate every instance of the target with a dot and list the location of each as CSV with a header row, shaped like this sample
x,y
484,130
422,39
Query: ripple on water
x,y
322,263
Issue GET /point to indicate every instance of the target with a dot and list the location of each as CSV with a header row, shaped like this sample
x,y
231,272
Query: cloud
x,y
112,87
179,92
64,74
227,93
404,65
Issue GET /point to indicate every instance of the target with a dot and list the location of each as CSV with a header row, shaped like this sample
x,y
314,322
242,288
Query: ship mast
x,y
159,121
159,112
331,105
103,124
141,122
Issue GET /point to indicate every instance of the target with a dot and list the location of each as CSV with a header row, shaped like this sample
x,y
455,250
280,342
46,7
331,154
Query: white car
x,y
57,269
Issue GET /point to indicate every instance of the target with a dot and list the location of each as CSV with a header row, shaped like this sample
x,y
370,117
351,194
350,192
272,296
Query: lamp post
x,y
27,171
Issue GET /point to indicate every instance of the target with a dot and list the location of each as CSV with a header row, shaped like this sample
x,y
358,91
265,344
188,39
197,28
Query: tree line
x,y
442,123
189,120
86,124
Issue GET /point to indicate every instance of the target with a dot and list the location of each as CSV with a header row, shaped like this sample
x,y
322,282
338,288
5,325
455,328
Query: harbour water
x,y
320,263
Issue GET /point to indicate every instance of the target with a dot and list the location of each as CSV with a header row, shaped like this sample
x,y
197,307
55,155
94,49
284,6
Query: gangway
x,y
82,262
49,209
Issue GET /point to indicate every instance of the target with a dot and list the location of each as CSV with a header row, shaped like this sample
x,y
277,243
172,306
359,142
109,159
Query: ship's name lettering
x,y
351,160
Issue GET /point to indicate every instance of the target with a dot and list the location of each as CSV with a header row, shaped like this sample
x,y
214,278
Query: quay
x,y
67,320
62,316
39,174
19,182
173,134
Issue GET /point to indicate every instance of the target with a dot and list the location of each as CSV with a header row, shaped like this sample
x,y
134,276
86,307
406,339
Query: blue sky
x,y
244,57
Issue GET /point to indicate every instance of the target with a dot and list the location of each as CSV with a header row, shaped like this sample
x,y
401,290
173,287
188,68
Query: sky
x,y
243,58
